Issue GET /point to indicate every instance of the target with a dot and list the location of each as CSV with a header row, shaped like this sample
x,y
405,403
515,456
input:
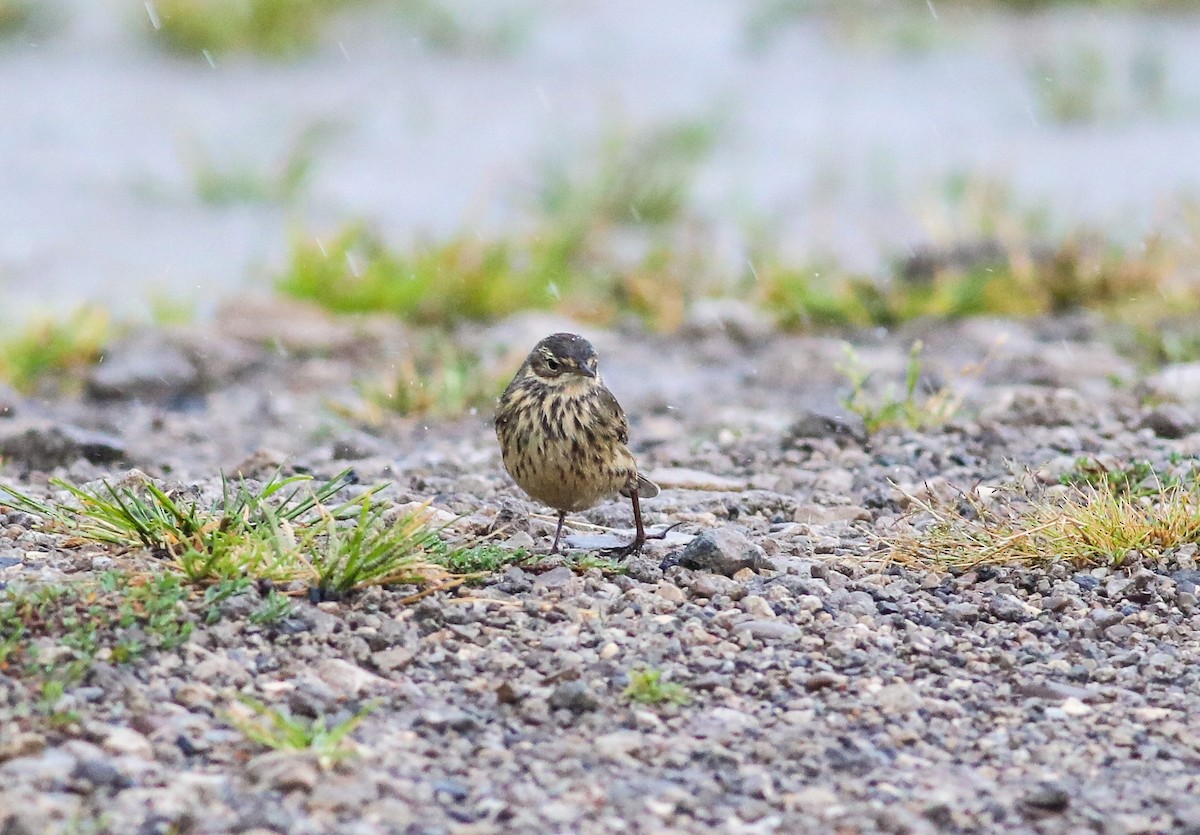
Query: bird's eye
x,y
553,364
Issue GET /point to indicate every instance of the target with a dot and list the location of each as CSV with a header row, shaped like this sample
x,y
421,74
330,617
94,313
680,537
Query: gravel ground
x,y
829,691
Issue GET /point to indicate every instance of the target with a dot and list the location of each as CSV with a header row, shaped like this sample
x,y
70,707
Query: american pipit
x,y
563,435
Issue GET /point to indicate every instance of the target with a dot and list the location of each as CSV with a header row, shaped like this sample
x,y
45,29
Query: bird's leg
x,y
639,538
562,514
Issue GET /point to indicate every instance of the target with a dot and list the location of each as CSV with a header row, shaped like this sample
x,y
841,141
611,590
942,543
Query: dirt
x,y
823,689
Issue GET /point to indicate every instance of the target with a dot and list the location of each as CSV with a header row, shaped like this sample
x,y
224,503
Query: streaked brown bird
x,y
564,437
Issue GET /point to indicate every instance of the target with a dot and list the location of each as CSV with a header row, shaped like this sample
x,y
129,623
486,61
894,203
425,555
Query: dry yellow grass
x,y
1085,526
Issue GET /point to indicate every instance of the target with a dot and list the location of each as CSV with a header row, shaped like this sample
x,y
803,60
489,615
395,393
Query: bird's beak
x,y
587,371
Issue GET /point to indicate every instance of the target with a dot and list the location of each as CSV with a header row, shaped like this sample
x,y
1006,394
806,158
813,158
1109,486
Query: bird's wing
x,y
614,411
646,488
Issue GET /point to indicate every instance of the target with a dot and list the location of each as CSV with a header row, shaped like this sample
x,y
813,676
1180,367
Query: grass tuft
x,y
601,246
1139,479
462,278
205,542
634,179
988,278
914,409
223,182
439,378
280,731
280,531
647,687
275,608
1086,526
479,559
51,349
16,16
374,550
280,28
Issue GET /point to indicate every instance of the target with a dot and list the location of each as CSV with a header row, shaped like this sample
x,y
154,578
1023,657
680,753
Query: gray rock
x,y
1007,607
1049,796
283,771
643,569
1169,420
722,551
859,603
101,772
898,698
1118,632
710,585
49,769
389,660
823,679
1179,382
1055,691
962,612
840,426
312,697
123,741
143,367
816,514
44,447
809,603
721,723
263,814
739,320
769,629
757,607
574,696
354,446
11,403
1104,618
240,606
555,578
449,718
36,814
515,581
21,744
1186,579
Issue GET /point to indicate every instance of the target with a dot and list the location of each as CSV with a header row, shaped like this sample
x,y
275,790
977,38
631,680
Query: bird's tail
x,y
646,488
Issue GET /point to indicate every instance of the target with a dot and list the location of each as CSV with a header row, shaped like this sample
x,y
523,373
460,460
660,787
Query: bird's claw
x,y
636,546
663,533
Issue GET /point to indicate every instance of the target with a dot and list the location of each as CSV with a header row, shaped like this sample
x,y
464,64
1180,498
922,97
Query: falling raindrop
x,y
212,62
932,10
152,11
555,293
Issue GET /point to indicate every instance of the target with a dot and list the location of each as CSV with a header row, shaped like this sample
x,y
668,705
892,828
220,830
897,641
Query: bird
x,y
564,437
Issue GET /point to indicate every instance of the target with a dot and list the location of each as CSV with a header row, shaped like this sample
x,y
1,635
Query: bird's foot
x,y
621,553
635,547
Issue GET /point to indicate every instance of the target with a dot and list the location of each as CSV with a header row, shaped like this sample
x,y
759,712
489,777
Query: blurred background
x,y
846,162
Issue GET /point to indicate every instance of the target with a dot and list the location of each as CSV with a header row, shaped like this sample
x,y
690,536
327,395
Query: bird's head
x,y
564,358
